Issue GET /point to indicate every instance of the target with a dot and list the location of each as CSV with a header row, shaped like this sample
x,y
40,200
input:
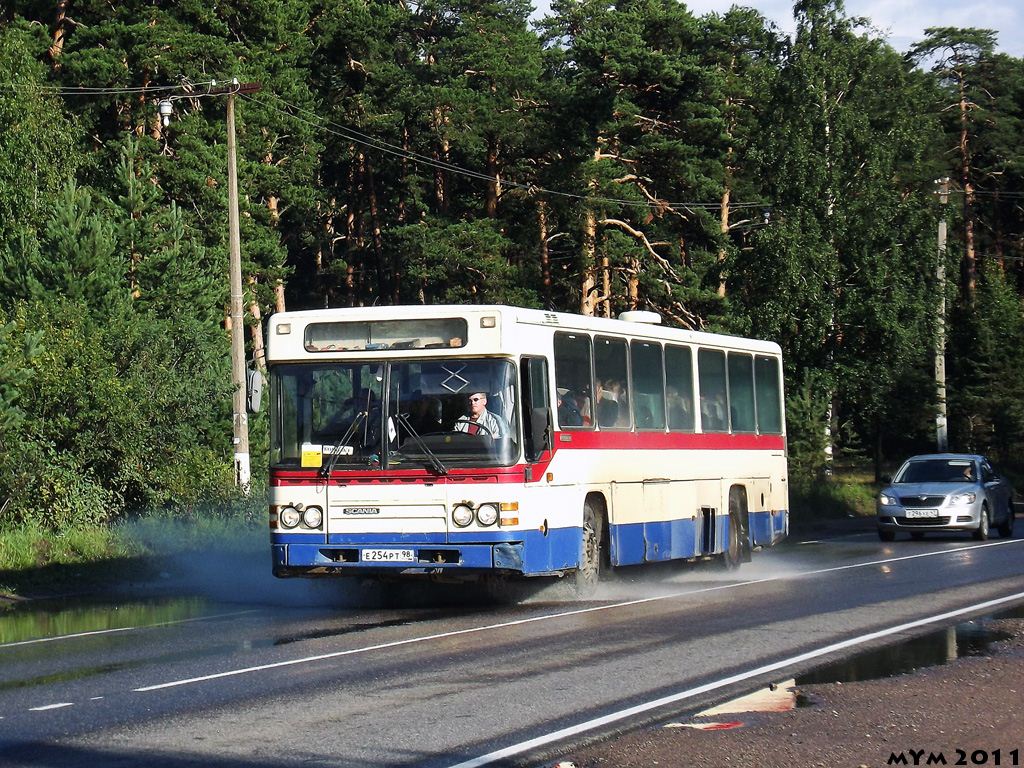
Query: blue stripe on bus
x,y
527,551
636,543
652,542
767,529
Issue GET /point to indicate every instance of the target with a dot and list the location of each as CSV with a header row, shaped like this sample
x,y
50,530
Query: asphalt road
x,y
354,678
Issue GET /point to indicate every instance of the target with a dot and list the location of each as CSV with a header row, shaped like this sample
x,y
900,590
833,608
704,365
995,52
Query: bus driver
x,y
479,420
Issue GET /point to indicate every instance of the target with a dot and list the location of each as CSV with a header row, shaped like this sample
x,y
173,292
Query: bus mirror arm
x,y
541,424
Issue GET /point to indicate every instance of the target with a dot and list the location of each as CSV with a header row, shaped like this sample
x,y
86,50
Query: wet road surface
x,y
235,674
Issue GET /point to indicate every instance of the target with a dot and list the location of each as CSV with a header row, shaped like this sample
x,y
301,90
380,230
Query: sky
x,y
902,22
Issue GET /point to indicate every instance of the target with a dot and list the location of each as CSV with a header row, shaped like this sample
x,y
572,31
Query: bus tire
x,y
592,549
732,557
738,550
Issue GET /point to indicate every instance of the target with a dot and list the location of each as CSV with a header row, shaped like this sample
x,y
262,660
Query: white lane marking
x,y
52,706
598,722
122,629
545,617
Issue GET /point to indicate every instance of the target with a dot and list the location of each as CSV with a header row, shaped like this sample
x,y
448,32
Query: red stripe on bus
x,y
577,440
666,441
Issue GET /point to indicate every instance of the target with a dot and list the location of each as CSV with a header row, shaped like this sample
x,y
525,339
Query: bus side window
x,y
648,385
714,406
741,392
536,407
572,380
679,392
611,375
769,395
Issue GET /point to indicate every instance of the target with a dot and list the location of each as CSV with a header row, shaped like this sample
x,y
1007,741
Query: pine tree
x,y
836,276
37,143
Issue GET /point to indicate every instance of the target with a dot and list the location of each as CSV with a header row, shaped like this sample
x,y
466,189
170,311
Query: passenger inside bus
x,y
478,420
568,411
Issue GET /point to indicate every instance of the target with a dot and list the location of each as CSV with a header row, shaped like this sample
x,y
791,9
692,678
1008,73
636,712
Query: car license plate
x,y
922,514
388,556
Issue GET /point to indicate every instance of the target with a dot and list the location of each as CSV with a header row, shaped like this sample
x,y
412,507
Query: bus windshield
x,y
436,413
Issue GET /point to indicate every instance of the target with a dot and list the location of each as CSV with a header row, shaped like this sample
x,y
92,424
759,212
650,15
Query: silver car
x,y
945,492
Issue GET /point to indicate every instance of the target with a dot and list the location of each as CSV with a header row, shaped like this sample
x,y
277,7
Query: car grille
x,y
921,501
927,522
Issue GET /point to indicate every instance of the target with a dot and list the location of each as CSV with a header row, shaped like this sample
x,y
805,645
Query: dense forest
x,y
612,155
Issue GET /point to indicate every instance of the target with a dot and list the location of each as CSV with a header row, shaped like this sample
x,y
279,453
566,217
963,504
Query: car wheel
x,y
982,533
886,535
1006,527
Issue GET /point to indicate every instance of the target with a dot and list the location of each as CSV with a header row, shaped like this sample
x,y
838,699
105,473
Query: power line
x,y
82,90
372,142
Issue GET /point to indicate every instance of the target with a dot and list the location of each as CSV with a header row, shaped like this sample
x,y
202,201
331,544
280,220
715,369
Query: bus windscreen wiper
x,y
325,471
435,462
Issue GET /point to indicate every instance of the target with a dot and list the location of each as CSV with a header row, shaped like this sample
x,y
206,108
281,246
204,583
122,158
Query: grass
x,y
849,492
37,561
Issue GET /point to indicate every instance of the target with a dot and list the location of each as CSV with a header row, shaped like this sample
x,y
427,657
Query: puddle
x,y
38,620
971,638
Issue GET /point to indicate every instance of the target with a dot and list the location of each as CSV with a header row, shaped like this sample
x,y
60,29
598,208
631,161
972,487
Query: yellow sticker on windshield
x,y
312,455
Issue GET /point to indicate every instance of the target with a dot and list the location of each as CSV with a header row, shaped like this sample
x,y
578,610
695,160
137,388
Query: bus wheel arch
x,y
738,549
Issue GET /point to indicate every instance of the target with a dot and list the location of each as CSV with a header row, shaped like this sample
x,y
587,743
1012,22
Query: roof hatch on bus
x,y
640,316
371,335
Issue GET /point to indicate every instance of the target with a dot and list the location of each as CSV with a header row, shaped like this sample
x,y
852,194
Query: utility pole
x,y
941,434
240,418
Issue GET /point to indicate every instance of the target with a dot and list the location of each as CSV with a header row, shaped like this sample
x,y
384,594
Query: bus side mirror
x,y
254,389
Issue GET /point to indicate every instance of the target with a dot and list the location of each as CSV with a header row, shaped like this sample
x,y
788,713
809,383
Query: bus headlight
x,y
290,517
313,517
487,514
462,515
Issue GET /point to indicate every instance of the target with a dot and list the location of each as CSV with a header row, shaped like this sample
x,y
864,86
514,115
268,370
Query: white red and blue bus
x,y
610,443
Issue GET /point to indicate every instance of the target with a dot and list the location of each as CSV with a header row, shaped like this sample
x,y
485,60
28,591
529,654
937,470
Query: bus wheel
x,y
733,555
738,550
584,581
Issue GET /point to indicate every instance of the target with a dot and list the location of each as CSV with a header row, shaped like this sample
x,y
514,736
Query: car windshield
x,y
401,414
937,471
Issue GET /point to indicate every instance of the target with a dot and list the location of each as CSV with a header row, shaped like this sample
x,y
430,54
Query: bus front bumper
x,y
311,559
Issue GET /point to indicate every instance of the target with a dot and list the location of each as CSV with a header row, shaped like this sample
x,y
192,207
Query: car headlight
x,y
290,517
886,501
313,517
487,514
963,498
462,515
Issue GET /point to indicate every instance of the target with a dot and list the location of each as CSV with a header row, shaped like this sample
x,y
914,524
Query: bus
x,y
474,441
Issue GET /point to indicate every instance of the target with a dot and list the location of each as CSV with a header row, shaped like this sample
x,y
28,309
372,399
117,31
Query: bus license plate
x,y
388,556
925,514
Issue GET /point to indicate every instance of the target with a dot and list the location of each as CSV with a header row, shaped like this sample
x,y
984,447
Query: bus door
x,y
538,426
